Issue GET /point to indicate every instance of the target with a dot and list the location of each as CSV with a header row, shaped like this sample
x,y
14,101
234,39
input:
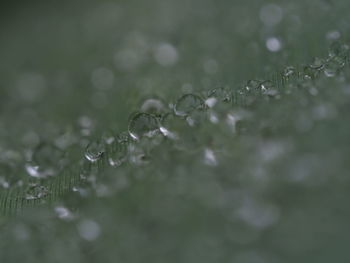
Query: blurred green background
x,y
277,189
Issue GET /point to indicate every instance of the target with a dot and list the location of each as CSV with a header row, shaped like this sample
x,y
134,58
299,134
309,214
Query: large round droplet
x,y
187,104
94,151
143,124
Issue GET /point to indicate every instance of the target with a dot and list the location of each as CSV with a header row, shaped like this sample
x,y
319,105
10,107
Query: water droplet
x,y
118,153
221,94
94,151
333,66
153,106
288,71
310,73
338,49
137,155
143,124
36,191
187,104
108,137
47,160
317,64
8,175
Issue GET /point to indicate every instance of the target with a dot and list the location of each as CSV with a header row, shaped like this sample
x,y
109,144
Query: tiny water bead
x,y
36,191
187,104
317,64
46,160
94,151
334,65
289,71
338,49
108,137
118,153
220,94
7,175
143,124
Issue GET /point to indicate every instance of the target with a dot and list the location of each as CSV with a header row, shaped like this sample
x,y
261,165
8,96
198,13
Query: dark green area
x,y
261,176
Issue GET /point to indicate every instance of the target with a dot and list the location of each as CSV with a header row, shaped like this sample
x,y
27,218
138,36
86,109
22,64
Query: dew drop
x,y
94,151
187,104
288,71
47,160
143,124
7,175
36,191
118,153
220,94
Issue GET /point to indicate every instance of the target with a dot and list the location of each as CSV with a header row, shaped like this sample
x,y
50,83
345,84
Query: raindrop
x,y
94,151
187,104
143,124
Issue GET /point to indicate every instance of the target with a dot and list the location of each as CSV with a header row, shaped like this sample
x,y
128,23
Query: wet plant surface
x,y
202,132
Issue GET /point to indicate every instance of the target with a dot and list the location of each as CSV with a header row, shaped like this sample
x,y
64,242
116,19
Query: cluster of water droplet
x,y
179,124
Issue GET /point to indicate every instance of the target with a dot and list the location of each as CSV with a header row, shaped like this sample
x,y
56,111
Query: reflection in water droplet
x,y
94,151
187,104
143,124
